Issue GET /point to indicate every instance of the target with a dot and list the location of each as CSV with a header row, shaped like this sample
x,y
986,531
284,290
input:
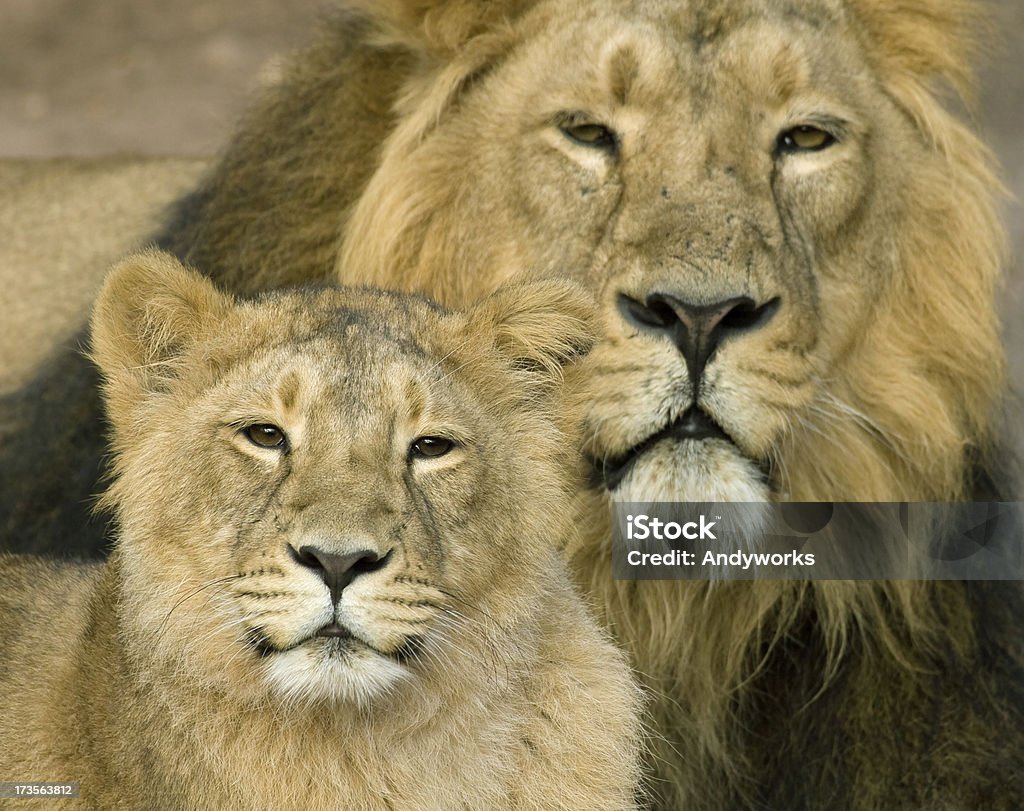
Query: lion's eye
x,y
805,139
595,135
431,446
265,435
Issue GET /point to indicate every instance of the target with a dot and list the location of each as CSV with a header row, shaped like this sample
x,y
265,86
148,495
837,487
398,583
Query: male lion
x,y
335,584
796,250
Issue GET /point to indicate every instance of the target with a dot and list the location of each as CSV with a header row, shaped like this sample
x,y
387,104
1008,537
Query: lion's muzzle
x,y
338,570
697,330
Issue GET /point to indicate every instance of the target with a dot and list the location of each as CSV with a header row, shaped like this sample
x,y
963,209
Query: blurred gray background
x,y
91,77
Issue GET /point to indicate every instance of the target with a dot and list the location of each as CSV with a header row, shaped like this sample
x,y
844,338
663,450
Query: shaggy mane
x,y
912,414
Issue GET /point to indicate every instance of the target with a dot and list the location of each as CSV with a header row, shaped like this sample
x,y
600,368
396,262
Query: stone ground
x,y
91,77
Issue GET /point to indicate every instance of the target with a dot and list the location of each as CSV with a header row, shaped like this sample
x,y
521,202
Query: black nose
x,y
696,329
338,571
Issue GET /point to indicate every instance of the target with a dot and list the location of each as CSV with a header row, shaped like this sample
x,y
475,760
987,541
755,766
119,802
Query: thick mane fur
x,y
921,396
918,41
911,413
347,169
916,406
744,634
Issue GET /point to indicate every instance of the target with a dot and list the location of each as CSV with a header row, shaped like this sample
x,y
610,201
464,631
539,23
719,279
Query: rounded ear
x,y
538,325
148,311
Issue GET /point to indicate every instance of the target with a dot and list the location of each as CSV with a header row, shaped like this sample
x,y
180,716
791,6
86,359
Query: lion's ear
x,y
538,325
438,26
148,311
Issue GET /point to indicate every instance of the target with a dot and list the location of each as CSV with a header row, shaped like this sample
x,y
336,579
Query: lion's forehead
x,y
360,323
343,374
670,52
698,24
350,377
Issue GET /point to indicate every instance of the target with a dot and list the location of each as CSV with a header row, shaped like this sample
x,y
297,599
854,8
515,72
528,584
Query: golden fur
x,y
187,671
878,375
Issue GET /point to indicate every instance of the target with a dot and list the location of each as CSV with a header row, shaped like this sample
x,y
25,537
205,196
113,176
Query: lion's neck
x,y
709,652
236,754
168,735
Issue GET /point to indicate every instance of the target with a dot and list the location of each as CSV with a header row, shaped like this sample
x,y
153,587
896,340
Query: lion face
x,y
319,492
755,193
721,194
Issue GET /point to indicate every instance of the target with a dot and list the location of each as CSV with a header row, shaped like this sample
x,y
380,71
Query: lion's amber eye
x,y
595,135
265,435
805,139
431,446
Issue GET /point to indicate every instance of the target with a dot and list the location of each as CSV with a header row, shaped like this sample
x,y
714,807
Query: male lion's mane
x,y
336,162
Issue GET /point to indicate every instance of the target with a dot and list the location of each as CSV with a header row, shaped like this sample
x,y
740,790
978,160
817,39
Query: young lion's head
x,y
328,491
793,241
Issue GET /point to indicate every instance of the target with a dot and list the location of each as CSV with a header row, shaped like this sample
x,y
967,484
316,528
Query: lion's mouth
x,y
338,640
694,425
334,631
337,636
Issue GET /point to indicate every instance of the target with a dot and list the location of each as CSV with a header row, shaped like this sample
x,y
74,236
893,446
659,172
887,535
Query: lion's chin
x,y
709,470
328,671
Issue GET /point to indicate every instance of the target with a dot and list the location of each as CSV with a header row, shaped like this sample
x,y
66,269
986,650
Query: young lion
x,y
334,584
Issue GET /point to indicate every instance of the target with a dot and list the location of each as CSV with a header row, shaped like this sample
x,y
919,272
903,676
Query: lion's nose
x,y
338,571
697,330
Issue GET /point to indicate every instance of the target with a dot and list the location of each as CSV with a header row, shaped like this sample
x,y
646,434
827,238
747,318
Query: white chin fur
x,y
706,471
310,673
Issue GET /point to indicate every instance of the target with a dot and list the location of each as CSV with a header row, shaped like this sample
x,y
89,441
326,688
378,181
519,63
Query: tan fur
x,y
858,396
879,377
184,673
